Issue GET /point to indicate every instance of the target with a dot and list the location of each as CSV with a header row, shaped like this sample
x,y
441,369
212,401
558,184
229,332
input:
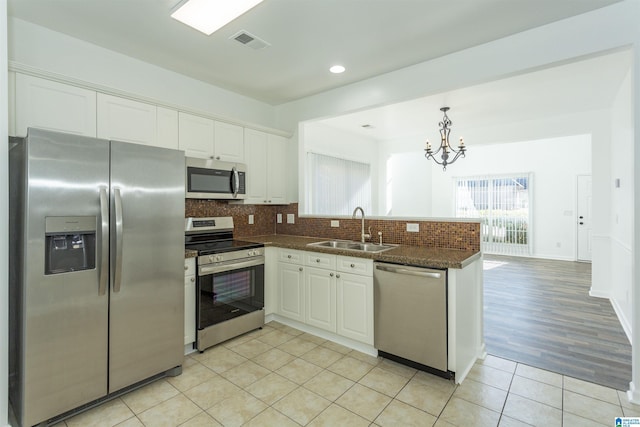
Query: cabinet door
x,y
276,170
125,120
355,307
228,142
255,156
189,309
195,135
291,291
167,128
320,289
54,106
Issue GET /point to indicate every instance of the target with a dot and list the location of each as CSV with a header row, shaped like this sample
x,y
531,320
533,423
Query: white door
x,y
584,218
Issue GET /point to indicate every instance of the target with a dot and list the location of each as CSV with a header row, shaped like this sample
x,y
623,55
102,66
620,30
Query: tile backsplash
x,y
432,233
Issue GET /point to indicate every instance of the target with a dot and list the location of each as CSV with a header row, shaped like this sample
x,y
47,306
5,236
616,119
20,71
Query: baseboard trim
x,y
626,325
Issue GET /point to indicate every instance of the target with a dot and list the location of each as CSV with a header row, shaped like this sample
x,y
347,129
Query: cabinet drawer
x,y
355,265
315,259
291,256
189,266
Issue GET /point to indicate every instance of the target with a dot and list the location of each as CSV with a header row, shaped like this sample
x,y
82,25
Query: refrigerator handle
x,y
104,239
117,277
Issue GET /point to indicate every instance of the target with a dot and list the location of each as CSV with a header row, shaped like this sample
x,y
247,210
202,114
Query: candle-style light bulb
x,y
461,142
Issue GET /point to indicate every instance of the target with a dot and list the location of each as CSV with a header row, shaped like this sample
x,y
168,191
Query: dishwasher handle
x,y
408,272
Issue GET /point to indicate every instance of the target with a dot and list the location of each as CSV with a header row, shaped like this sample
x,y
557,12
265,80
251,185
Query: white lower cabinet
x,y
189,300
320,288
355,307
291,288
329,292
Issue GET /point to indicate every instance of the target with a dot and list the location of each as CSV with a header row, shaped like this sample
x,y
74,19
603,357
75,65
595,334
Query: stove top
x,y
213,235
221,246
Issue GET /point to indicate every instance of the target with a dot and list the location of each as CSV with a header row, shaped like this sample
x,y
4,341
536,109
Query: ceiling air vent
x,y
249,40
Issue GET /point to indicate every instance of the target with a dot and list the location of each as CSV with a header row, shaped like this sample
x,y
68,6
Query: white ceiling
x,y
556,92
369,37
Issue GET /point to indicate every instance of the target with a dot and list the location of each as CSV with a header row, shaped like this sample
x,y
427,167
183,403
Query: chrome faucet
x,y
363,236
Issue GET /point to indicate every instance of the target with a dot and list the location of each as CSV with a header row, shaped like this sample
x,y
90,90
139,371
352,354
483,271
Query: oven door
x,y
229,290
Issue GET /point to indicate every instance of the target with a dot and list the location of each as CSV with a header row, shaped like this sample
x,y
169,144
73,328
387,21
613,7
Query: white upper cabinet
x,y
125,120
265,159
208,139
167,127
195,135
276,169
55,106
228,142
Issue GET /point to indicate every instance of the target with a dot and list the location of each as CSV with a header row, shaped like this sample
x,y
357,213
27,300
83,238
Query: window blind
x,y
503,204
336,186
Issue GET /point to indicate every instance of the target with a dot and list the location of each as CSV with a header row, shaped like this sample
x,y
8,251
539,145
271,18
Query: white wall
x,y
34,46
4,222
621,215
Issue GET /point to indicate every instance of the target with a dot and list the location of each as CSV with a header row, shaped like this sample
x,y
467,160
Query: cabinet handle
x,y
269,201
217,157
299,268
193,279
338,275
331,274
353,265
264,201
289,256
317,259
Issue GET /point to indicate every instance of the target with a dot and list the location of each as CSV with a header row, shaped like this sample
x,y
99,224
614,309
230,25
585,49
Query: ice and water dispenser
x,y
70,244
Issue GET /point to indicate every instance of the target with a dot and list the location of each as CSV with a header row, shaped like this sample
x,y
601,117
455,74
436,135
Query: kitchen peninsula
x,y
297,274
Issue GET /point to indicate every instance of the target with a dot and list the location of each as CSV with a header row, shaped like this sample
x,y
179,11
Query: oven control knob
x,y
219,258
211,258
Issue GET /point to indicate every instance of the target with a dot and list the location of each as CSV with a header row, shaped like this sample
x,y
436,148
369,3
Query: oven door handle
x,y
234,265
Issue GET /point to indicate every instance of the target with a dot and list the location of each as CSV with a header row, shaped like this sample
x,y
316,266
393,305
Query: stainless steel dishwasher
x,y
410,316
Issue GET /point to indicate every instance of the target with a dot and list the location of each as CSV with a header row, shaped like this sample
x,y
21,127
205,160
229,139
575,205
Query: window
x,y
502,203
336,186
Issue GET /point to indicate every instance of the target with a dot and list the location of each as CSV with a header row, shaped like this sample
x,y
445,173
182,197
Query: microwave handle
x,y
235,187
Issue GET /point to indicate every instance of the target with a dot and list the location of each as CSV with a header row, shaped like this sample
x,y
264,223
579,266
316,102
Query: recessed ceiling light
x,y
337,69
208,16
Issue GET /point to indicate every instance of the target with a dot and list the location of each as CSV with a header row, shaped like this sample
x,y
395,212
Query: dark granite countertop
x,y
402,254
190,253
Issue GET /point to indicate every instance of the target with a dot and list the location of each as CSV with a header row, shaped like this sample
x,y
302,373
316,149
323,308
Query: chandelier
x,y
445,150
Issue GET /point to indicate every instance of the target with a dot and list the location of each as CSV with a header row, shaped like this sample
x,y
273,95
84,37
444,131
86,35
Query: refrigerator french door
x,y
96,276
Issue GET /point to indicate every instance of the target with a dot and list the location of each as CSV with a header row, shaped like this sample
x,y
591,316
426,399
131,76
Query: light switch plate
x,y
335,223
291,218
250,219
413,228
279,218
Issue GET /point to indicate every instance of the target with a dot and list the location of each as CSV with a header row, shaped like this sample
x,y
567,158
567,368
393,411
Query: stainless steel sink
x,y
352,246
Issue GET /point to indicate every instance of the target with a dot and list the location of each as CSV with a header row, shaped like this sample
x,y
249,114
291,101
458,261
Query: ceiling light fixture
x,y
337,69
445,147
208,16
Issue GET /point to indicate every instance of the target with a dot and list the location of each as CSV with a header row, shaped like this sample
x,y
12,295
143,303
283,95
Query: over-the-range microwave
x,y
214,179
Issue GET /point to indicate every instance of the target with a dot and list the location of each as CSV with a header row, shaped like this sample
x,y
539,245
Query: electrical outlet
x,y
291,219
279,218
250,219
413,228
335,223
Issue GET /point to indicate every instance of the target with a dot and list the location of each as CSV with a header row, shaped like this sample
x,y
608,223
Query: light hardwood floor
x,y
539,312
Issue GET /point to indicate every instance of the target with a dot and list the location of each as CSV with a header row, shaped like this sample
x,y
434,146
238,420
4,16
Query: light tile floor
x,y
279,376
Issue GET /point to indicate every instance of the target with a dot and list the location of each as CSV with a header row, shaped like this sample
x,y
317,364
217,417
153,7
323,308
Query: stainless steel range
x,y
230,281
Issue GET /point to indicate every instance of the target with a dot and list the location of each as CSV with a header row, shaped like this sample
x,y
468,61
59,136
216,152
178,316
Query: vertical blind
x,y
336,186
503,204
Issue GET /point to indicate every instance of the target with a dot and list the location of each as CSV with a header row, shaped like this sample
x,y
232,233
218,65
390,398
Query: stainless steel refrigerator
x,y
96,269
